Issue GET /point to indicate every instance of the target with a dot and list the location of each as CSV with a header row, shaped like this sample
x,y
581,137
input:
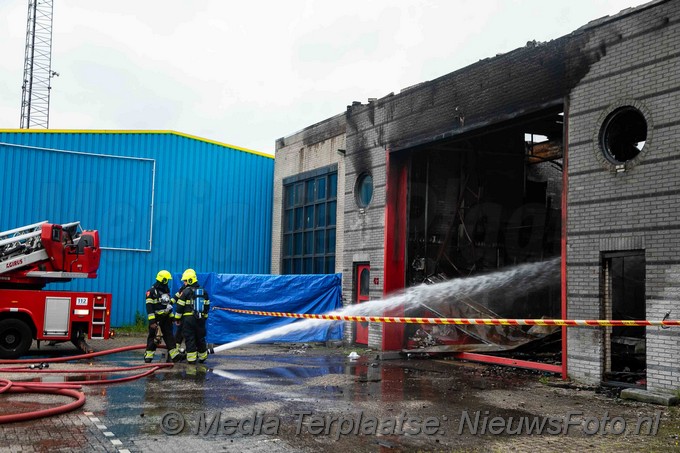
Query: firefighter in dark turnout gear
x,y
159,314
193,305
179,338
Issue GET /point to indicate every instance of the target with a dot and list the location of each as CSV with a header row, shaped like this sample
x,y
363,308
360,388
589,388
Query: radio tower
x,y
35,91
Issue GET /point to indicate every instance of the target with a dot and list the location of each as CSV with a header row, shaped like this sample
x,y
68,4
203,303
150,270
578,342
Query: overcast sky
x,y
247,73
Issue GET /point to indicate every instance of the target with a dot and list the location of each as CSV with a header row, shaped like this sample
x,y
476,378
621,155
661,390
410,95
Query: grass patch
x,y
140,325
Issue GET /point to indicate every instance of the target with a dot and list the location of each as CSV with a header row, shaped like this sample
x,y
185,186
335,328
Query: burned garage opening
x,y
483,202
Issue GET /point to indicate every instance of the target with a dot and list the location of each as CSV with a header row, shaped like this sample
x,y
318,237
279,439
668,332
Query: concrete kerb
x,y
646,396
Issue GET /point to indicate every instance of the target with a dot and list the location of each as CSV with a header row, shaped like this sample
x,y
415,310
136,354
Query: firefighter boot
x,y
202,356
191,357
175,355
148,356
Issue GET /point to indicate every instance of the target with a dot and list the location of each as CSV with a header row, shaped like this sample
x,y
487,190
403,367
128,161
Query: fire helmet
x,y
163,277
189,276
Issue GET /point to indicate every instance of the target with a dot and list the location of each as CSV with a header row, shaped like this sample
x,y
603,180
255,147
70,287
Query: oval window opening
x,y
364,190
623,134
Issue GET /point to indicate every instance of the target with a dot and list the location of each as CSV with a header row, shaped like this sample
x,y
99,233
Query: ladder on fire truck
x,y
21,242
22,247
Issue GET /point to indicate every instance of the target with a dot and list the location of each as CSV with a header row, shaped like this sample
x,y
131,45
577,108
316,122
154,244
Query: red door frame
x,y
361,334
395,244
563,238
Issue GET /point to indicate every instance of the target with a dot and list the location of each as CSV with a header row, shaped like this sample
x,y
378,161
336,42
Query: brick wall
x,y
314,147
638,209
365,227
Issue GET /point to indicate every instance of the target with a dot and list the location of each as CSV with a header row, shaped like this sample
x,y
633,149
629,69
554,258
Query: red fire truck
x,y
33,256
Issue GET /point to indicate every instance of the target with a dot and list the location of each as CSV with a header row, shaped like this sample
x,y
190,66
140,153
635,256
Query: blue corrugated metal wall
x,y
161,200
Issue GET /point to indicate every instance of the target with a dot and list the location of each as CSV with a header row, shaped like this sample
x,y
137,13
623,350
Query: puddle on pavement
x,y
134,408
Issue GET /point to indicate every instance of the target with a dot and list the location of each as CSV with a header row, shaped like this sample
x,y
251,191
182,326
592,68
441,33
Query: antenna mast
x,y
35,91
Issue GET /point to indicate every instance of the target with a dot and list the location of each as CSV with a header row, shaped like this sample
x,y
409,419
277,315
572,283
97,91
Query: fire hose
x,y
50,389
64,388
88,355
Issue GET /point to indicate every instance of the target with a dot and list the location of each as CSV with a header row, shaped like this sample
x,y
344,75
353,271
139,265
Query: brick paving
x,y
65,433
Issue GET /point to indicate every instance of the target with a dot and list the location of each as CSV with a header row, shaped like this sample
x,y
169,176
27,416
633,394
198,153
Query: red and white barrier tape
x,y
466,321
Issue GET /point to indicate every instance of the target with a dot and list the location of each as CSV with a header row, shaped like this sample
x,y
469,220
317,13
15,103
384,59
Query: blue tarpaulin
x,y
312,293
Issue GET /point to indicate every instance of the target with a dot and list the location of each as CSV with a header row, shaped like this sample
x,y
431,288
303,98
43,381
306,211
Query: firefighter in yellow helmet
x,y
193,305
159,314
179,337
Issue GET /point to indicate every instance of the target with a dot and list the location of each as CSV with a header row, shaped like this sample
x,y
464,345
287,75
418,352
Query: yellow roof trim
x,y
106,131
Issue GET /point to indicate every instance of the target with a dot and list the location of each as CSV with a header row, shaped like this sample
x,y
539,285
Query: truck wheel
x,y
15,338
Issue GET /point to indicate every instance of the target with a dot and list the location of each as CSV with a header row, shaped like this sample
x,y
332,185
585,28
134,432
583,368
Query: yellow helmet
x,y
189,276
163,277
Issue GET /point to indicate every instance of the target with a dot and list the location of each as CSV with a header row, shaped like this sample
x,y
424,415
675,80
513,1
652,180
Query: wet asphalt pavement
x,y
282,398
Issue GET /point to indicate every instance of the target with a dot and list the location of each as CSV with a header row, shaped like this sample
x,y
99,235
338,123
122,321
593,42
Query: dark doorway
x,y
624,299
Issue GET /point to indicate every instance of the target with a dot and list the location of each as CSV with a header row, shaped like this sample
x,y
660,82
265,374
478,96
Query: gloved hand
x,y
165,298
153,325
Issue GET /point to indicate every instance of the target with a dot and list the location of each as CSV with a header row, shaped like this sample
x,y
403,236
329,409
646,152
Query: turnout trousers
x,y
194,338
165,324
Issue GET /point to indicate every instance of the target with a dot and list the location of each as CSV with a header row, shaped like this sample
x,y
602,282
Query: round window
x,y
623,134
363,190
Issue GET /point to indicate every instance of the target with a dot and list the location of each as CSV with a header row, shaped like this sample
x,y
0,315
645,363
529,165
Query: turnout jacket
x,y
192,300
158,301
